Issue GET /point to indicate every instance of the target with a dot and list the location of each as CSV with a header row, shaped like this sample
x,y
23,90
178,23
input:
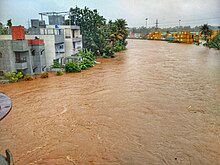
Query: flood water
x,y
156,103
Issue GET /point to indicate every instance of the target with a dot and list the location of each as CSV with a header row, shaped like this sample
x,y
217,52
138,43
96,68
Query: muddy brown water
x,y
156,103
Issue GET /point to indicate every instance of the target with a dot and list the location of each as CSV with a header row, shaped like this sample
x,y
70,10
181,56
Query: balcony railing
x,y
21,65
77,39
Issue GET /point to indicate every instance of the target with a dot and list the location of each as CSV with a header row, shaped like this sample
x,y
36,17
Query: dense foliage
x,y
56,64
88,59
215,42
98,36
73,67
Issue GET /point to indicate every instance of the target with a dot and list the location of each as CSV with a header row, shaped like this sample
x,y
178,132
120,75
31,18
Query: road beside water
x,y
156,103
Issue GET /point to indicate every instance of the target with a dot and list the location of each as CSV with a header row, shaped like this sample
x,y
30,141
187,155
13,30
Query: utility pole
x,y
28,23
179,25
146,22
156,24
69,18
146,25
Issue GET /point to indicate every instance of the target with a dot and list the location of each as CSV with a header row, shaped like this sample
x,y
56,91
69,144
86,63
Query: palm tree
x,y
205,30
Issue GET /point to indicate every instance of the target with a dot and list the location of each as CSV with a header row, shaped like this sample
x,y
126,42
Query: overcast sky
x,y
168,12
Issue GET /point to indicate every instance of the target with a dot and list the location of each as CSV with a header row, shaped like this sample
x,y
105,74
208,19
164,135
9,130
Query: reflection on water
x,y
156,103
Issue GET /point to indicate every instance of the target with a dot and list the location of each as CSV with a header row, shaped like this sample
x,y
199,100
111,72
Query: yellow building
x,y
184,37
214,33
154,36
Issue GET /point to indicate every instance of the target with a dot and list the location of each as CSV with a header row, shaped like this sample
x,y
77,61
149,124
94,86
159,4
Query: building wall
x,y
49,43
5,37
38,59
7,60
68,47
69,32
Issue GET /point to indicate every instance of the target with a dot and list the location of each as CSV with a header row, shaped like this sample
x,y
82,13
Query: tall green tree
x,y
206,31
92,26
118,33
97,34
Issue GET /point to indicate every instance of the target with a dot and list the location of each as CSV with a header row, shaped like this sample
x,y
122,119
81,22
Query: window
x,y
0,55
17,58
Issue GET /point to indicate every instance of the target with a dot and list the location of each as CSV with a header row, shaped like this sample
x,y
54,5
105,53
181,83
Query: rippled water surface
x,y
156,103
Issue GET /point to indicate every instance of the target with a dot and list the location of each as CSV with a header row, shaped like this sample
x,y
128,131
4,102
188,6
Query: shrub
x,y
28,78
56,64
19,75
73,67
88,59
44,75
87,63
59,73
13,77
108,52
87,54
118,46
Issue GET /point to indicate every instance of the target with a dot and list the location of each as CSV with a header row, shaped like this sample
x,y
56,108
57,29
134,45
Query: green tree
x,y
9,23
97,34
92,27
206,31
118,31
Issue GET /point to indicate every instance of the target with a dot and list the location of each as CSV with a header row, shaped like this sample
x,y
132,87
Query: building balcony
x,y
75,27
20,45
21,65
77,39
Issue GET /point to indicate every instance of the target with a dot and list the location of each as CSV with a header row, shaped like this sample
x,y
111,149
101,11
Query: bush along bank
x,y
87,61
214,43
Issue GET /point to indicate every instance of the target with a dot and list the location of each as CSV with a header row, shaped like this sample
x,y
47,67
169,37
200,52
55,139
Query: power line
x,y
188,21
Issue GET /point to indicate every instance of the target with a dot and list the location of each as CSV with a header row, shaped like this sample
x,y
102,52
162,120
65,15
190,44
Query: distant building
x,y
134,35
154,36
186,37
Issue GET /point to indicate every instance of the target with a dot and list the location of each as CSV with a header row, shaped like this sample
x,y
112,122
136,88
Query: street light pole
x,y
179,25
146,22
